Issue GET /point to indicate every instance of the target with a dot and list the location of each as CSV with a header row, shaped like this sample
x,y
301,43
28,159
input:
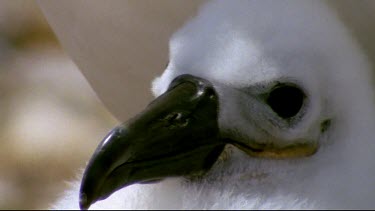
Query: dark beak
x,y
176,135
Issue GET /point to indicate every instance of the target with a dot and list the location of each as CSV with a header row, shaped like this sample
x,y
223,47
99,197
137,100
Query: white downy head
x,y
246,48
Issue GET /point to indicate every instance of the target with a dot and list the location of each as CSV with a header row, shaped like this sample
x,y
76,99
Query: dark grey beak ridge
x,y
176,135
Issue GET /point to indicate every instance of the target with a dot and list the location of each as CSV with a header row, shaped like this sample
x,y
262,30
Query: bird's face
x,y
253,78
274,117
270,81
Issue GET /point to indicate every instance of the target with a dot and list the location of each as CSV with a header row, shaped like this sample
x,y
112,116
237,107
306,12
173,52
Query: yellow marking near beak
x,y
272,151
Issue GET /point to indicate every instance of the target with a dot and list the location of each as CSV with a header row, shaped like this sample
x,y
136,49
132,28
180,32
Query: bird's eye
x,y
286,100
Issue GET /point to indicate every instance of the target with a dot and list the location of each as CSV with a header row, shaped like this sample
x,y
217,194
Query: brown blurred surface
x,y
359,16
121,50
51,120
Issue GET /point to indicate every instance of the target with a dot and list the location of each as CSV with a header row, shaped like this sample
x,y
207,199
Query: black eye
x,y
286,100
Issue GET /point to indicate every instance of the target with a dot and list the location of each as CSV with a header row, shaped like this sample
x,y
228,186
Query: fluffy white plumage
x,y
247,46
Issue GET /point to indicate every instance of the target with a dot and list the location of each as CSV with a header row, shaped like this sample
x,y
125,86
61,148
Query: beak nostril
x,y
211,94
177,119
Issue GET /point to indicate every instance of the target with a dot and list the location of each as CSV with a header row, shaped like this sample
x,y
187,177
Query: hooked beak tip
x,y
83,202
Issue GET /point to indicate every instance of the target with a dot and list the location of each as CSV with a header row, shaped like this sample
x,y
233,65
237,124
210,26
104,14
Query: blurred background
x,y
50,118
